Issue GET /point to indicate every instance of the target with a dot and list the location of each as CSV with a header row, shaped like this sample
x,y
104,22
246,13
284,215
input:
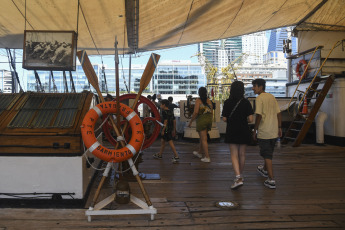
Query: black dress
x,y
237,129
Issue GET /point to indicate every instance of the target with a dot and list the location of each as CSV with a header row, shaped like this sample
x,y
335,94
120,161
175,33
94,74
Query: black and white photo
x,y
49,50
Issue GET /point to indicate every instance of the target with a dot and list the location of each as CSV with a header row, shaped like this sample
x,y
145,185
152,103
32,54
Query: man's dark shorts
x,y
267,147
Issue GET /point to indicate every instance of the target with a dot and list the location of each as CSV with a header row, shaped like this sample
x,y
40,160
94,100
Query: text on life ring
x,y
103,153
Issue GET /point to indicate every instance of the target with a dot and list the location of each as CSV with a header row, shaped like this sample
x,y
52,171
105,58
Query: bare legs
x,y
162,147
200,146
269,168
238,157
203,143
172,146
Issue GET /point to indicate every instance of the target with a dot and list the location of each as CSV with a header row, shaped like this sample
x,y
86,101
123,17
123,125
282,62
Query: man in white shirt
x,y
266,129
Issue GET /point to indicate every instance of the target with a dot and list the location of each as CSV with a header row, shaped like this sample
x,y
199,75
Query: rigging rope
x,y
123,76
54,85
88,28
65,82
38,83
72,82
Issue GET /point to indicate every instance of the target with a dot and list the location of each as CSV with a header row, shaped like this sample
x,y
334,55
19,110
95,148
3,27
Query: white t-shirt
x,y
267,106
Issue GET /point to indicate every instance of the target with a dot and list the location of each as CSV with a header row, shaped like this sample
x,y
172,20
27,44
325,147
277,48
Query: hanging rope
x,y
123,52
38,83
72,82
24,15
88,28
123,76
65,82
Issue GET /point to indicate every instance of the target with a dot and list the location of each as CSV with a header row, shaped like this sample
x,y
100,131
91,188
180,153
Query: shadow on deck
x,y
310,194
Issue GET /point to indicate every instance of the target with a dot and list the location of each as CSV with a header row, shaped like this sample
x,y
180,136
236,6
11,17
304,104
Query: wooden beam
x,y
132,22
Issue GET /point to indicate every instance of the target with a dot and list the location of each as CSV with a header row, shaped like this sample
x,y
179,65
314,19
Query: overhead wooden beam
x,y
132,22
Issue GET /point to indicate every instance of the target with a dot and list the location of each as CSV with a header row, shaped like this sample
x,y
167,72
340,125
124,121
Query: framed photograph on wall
x,y
49,50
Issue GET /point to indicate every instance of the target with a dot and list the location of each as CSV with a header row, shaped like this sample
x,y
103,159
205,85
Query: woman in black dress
x,y
237,112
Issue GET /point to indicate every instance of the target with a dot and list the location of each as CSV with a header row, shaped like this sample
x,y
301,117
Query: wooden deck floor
x,y
310,194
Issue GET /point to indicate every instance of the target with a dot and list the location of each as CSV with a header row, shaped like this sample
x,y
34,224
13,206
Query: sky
x,y
177,53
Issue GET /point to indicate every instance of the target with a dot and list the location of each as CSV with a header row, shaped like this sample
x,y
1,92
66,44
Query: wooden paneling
x,y
29,140
40,144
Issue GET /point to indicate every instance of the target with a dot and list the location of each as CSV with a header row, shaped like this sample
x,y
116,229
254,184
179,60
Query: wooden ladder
x,y
301,124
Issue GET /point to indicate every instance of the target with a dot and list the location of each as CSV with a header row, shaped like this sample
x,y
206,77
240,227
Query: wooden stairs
x,y
301,123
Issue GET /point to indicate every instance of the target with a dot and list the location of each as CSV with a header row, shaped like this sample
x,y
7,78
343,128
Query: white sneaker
x,y
270,183
237,183
195,153
175,160
261,170
206,160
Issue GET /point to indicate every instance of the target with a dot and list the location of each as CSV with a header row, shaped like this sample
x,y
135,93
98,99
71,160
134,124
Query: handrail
x,y
304,73
335,45
305,92
303,52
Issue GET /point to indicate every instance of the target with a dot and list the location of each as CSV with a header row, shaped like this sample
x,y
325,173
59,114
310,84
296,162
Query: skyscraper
x,y
210,51
216,51
277,37
255,46
233,47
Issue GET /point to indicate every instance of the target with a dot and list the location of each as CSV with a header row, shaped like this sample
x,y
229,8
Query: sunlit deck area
x,y
310,194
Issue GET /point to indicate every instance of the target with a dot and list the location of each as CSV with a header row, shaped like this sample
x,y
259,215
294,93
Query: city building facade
x,y
254,46
6,85
223,51
275,53
275,78
55,81
170,77
178,77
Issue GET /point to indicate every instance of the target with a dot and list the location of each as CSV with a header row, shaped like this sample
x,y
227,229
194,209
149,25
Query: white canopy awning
x,y
143,25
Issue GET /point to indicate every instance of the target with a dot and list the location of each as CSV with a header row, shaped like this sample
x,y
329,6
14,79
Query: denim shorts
x,y
267,147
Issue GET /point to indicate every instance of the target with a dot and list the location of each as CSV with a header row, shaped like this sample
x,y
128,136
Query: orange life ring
x,y
103,153
149,137
301,62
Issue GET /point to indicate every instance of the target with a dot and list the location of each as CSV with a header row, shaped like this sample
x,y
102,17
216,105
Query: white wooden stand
x,y
96,210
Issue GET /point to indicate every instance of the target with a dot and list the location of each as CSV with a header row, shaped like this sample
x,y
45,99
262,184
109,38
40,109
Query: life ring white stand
x,y
132,147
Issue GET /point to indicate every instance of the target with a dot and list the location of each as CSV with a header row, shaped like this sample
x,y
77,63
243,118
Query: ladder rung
x,y
316,90
299,122
295,130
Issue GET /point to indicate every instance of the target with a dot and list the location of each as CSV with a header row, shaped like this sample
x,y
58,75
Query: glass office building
x,y
178,77
175,77
231,46
55,81
276,38
124,84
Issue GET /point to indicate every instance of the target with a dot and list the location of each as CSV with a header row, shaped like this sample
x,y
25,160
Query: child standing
x,y
168,131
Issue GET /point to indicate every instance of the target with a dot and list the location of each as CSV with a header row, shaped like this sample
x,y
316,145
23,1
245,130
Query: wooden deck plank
x,y
310,194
